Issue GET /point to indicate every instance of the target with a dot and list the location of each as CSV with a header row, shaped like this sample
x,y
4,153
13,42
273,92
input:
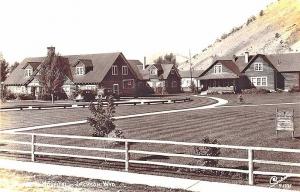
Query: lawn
x,y
232,125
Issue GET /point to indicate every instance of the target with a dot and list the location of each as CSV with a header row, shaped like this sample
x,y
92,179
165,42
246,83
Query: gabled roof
x,y
187,74
163,70
284,62
86,62
137,66
101,64
230,64
287,62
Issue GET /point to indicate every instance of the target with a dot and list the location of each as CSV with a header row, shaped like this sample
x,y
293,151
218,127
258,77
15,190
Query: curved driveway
x,y
219,102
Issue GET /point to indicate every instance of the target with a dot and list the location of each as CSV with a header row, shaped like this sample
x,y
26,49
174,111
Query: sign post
x,y
284,121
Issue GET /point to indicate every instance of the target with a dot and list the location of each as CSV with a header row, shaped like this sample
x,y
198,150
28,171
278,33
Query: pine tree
x,y
3,69
102,120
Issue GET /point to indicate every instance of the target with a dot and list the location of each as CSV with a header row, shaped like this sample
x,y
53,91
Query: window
x,y
114,70
28,72
79,70
174,84
258,67
218,69
153,71
172,71
128,84
259,81
124,70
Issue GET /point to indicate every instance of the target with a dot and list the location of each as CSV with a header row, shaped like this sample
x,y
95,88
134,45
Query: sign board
x,y
285,121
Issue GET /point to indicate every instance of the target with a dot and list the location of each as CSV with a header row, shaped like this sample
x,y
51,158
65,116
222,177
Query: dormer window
x,y
172,71
153,71
124,70
218,69
114,70
28,72
79,70
258,67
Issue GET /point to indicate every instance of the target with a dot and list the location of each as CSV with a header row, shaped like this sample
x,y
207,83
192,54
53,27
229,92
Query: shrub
x,y
277,35
261,13
26,96
250,20
208,151
255,91
9,95
294,89
88,95
102,120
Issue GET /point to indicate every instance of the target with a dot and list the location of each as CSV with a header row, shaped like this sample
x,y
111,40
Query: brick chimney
x,y
246,57
50,51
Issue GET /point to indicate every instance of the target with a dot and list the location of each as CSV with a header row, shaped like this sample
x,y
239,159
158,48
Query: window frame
x,y
114,70
80,70
259,81
153,71
28,72
124,70
258,66
174,86
132,84
218,68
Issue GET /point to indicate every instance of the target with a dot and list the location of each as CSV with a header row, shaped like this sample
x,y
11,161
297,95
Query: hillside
x,y
274,30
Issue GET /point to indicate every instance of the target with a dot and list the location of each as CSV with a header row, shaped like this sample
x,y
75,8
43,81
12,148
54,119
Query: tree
x,y
4,70
102,120
13,67
52,75
166,59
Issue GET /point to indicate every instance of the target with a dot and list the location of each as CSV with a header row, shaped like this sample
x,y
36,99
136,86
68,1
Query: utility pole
x,y
191,72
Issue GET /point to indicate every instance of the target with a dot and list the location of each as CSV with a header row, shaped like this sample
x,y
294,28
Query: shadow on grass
x,y
152,157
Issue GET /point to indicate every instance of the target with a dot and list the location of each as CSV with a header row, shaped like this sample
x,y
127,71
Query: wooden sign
x,y
285,121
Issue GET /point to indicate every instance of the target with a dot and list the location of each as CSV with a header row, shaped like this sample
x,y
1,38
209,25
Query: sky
x,y
137,28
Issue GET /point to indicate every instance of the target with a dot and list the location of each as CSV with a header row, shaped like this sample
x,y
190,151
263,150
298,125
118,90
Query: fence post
x,y
250,167
127,155
32,147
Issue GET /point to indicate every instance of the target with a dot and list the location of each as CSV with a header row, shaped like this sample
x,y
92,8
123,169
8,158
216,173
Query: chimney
x,y
144,64
246,57
50,51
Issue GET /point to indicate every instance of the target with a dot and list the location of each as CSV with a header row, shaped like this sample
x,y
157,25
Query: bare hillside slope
x,y
274,30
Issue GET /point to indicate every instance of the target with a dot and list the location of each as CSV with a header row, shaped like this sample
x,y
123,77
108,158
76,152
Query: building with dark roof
x,y
89,71
189,77
270,72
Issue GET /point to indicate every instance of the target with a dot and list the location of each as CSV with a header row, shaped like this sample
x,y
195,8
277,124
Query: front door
x,y
116,89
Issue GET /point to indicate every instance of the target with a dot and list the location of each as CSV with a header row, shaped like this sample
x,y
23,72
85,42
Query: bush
x,y
102,120
9,95
261,13
294,89
277,35
46,97
88,95
208,151
26,96
255,91
250,20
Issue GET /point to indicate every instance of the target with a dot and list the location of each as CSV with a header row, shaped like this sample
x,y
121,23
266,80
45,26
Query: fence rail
x,y
128,152
83,105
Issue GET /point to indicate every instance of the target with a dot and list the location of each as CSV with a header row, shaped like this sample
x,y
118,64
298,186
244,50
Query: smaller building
x,y
188,77
270,72
161,78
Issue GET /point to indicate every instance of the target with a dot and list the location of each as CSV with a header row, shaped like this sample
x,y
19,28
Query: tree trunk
x,y
52,98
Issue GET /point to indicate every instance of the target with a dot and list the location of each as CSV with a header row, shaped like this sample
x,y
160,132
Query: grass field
x,y
233,125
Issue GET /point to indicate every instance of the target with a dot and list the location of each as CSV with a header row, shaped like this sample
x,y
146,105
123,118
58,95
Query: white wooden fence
x,y
127,152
